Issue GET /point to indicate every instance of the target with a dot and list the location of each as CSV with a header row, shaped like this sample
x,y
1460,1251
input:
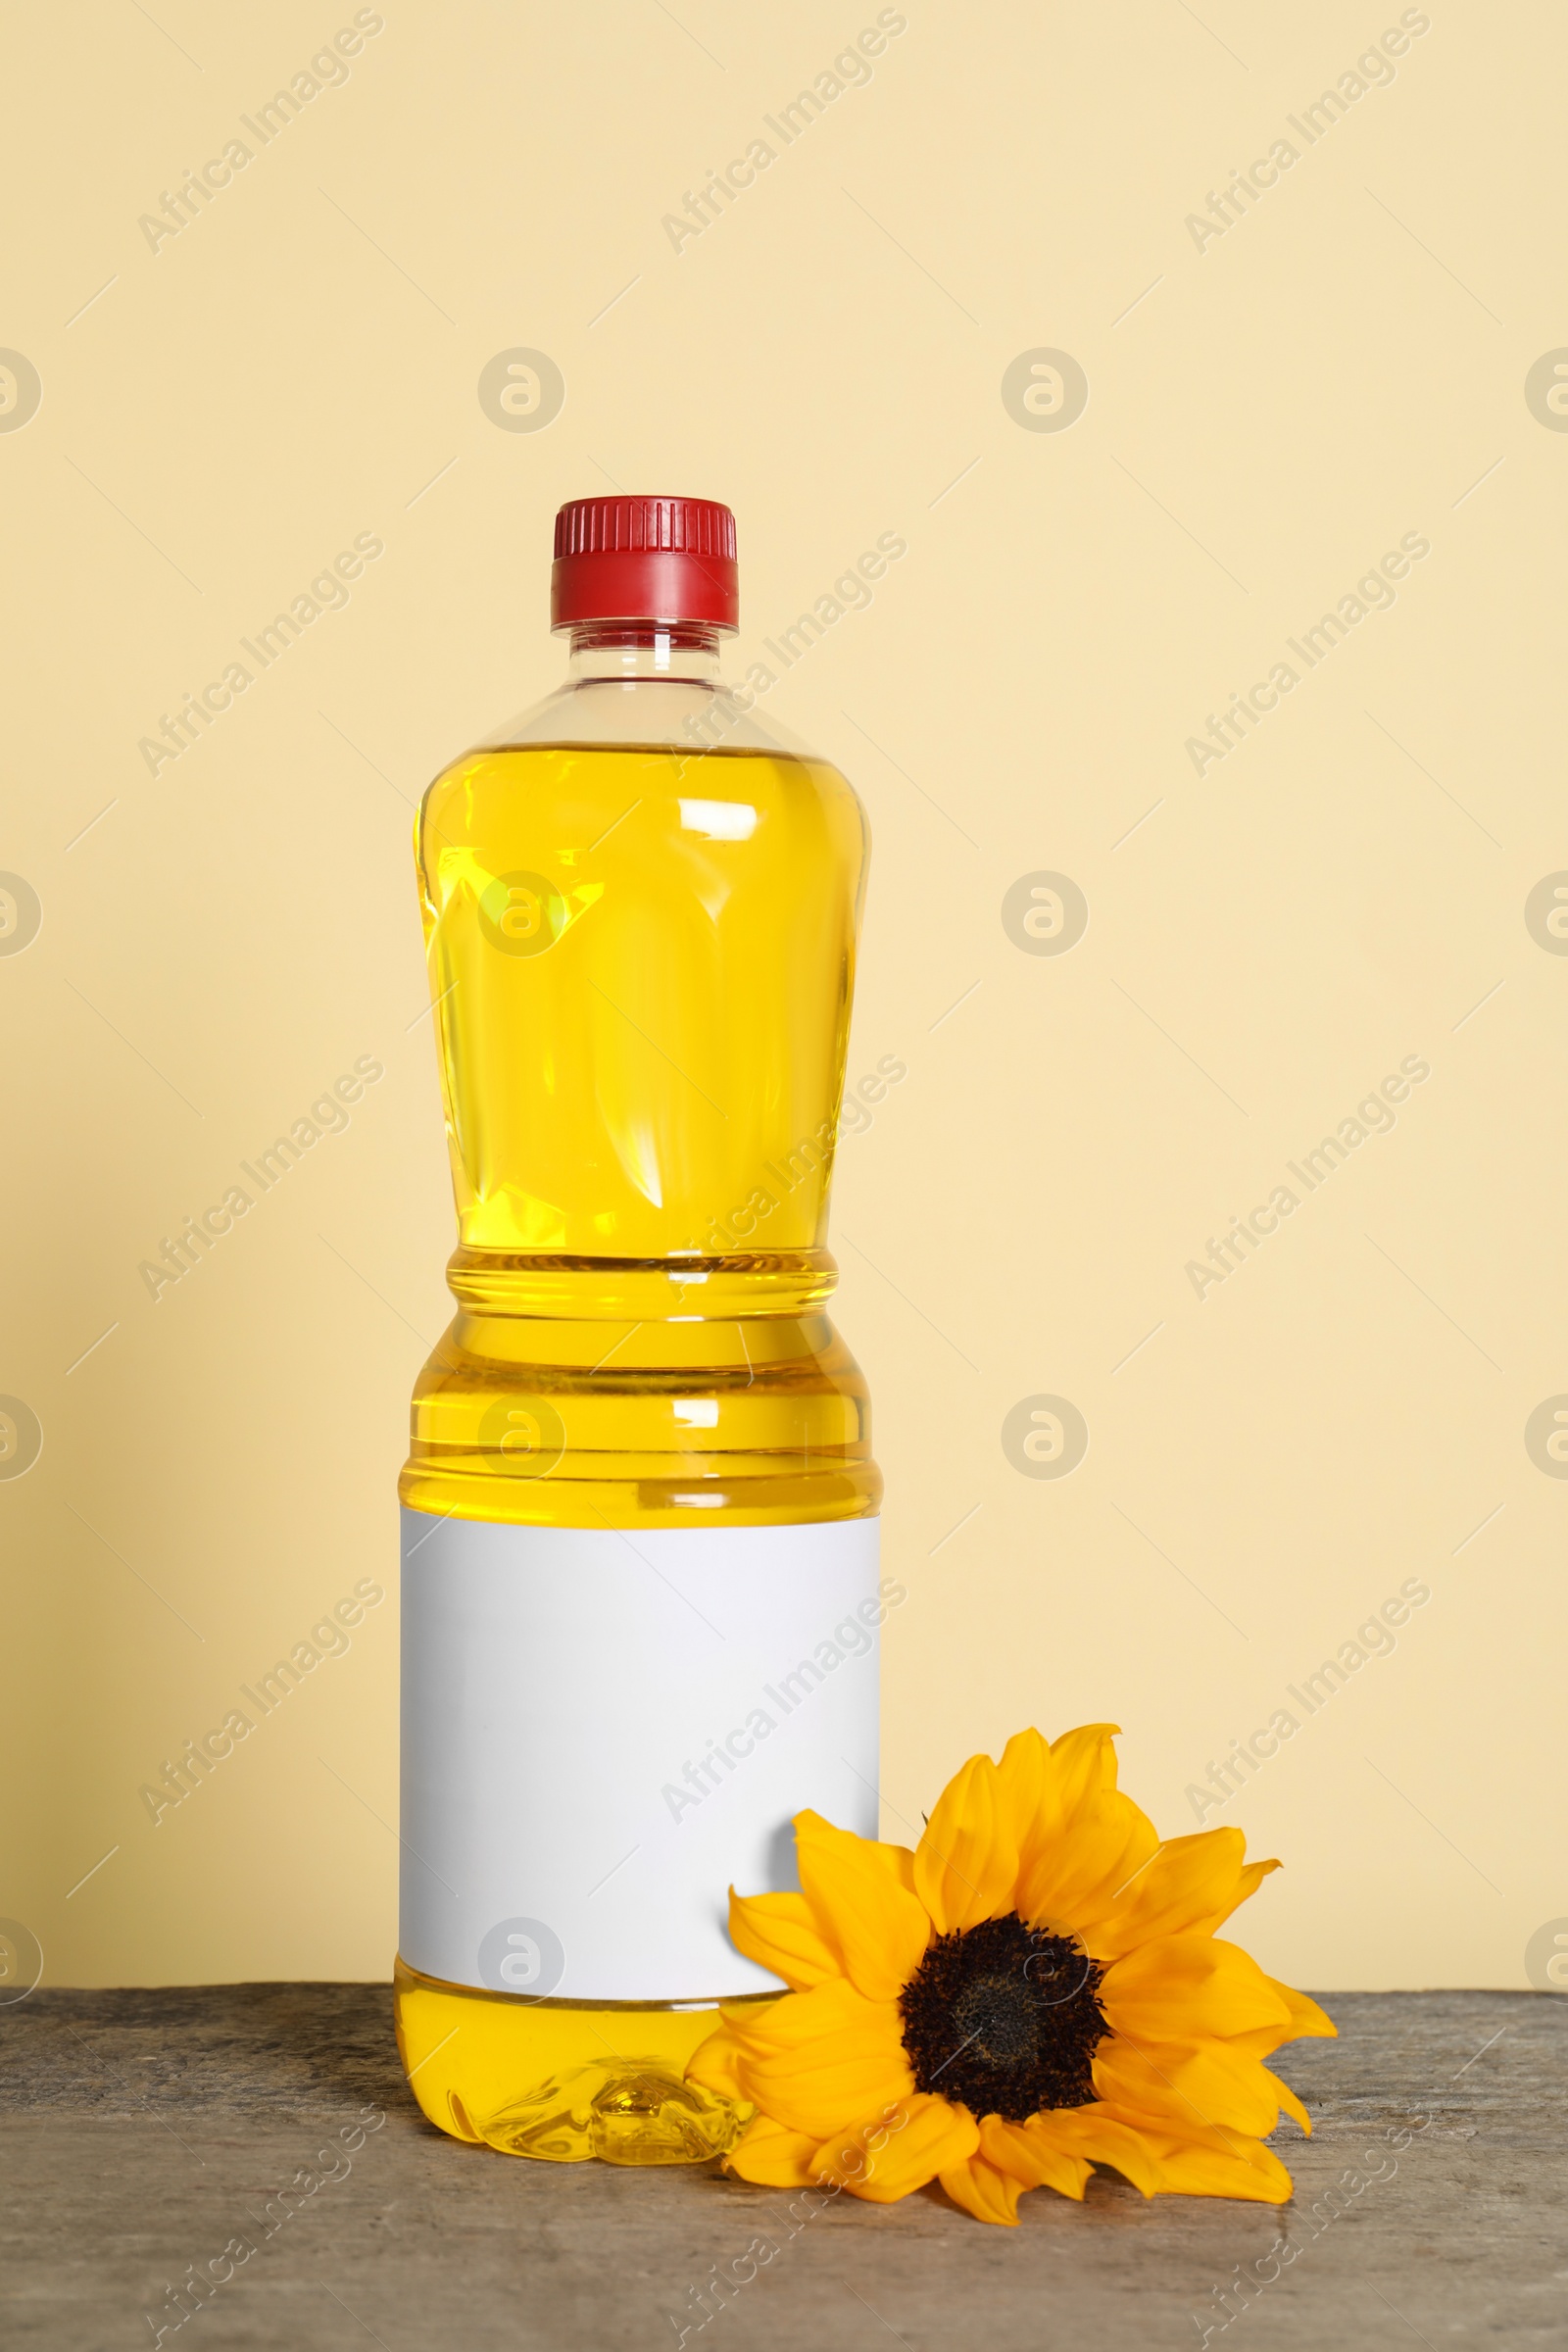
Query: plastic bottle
x,y
640,1570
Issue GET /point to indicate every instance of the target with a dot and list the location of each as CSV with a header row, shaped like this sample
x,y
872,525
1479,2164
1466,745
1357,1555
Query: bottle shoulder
x,y
559,773
694,715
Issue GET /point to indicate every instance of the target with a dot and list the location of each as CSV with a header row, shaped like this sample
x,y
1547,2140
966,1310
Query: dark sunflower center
x,y
1005,2019
997,2017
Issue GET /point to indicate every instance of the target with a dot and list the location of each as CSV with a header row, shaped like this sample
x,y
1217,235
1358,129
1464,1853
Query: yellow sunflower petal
x,y
1306,2020
966,1863
1089,2136
821,2091
834,2057
795,2018
1083,1767
1289,2102
1182,2090
1033,2155
881,1930
1027,1790
899,1861
990,2195
774,2157
714,2062
781,1932
1189,1884
1075,1875
1302,2018
1180,1988
905,2145
1091,1839
1220,2164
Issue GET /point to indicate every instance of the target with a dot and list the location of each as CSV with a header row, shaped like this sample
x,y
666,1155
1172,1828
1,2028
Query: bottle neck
x,y
636,648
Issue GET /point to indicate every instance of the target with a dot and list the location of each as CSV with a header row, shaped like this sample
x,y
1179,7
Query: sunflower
x,y
1035,1989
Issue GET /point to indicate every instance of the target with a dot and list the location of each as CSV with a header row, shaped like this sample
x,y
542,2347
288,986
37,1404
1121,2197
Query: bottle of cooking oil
x,y
640,1571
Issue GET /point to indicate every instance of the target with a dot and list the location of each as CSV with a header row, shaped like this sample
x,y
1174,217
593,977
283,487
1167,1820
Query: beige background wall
x,y
1269,412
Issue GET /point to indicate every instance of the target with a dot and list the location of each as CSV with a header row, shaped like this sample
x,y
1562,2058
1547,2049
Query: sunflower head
x,y
1004,2019
1038,1986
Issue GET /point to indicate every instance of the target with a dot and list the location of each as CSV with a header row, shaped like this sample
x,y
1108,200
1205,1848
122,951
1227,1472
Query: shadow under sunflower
x,y
1036,1989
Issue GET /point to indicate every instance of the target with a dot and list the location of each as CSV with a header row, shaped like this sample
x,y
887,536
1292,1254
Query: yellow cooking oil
x,y
640,964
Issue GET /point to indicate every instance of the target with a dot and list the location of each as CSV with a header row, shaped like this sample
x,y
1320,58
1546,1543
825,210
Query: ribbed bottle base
x,y
563,2081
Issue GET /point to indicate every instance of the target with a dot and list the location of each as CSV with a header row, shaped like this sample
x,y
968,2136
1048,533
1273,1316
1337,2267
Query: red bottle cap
x,y
644,559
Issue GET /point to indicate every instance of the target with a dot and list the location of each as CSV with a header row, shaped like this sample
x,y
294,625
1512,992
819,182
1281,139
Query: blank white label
x,y
603,1732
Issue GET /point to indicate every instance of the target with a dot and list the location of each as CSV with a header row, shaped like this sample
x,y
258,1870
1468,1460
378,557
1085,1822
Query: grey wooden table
x,y
141,2132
